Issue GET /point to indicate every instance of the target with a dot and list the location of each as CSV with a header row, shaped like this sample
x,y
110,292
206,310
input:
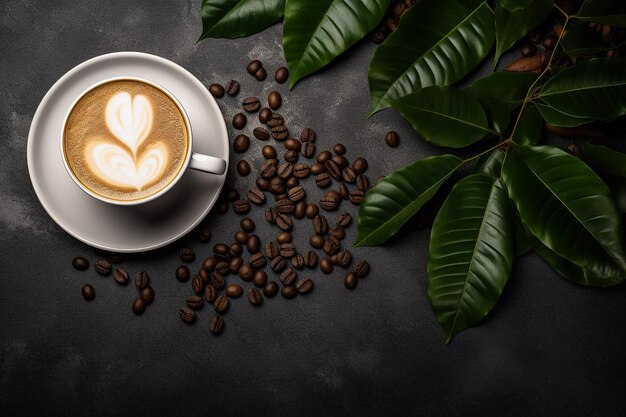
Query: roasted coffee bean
x,y
339,149
247,224
269,151
357,196
197,285
254,66
204,233
320,224
316,169
296,193
216,325
235,264
241,206
285,170
300,210
254,244
348,175
268,169
182,273
216,90
285,206
361,268
350,280
529,49
120,276
290,156
103,267
323,180
292,144
264,115
217,280
204,276
209,264
332,169
234,290
323,157
89,293
288,276
239,121
232,88
260,278
278,264
187,315
271,289
341,161
271,214
284,222
311,211
297,261
261,74
275,120
289,291
274,100
307,135
234,250
337,232
271,250
222,207
142,279
80,263
330,200
280,132
326,266
359,165
310,259
187,255
344,193
261,133
301,170
256,196
147,295
262,184
307,149
277,186
304,285
251,104
241,143
292,182
210,293
333,259
254,296
194,302
257,261
392,138
287,250
362,183
241,237
246,273
343,220
232,195
317,241
281,75
344,258
221,303
221,252
284,237
138,306
332,245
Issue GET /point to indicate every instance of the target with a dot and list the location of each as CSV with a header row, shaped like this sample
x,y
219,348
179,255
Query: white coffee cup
x,y
193,160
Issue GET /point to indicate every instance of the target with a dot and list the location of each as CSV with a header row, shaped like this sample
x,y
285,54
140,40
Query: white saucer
x,y
117,228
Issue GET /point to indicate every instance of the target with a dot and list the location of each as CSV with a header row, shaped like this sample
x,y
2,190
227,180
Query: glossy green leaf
x,y
237,18
436,43
491,163
316,32
529,128
595,89
514,5
582,41
523,237
444,116
575,273
512,26
556,118
608,12
398,196
611,167
566,206
471,252
499,93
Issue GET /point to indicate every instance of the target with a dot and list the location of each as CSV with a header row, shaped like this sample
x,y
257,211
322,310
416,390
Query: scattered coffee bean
x,y
283,196
268,169
232,88
239,121
344,258
357,196
359,165
361,268
222,207
271,289
197,284
232,195
344,193
220,252
103,267
187,315
269,151
256,196
317,169
320,224
296,193
284,237
300,210
277,186
246,273
278,264
271,214
182,273
221,303
392,138
89,293
194,302
307,135
241,237
287,250
234,290
138,306
307,149
271,250
284,222
80,263
285,206
332,245
291,156
297,261
281,75
235,249
141,280
288,291
210,293
301,170
204,233
304,285
350,280
241,143
323,180
120,276
310,259
284,170
274,100
216,90
251,104
187,255
275,120
254,66
147,295
339,149
333,259
326,266
217,280
257,261
348,175
292,182
235,264
341,161
261,74
280,132
261,133
317,241
311,211
323,157
216,325
337,232
292,144
254,296
332,169
330,200
247,224
260,278
254,244
241,206
243,167
362,183
264,115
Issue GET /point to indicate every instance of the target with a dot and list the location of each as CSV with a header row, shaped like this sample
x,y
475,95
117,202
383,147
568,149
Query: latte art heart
x,y
129,119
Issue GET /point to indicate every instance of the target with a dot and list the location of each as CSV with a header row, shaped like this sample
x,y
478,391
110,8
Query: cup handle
x,y
207,163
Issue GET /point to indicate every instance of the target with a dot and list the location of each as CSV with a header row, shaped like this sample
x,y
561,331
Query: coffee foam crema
x,y
125,140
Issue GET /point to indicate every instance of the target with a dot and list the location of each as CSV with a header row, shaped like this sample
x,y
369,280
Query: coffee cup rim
x,y
153,196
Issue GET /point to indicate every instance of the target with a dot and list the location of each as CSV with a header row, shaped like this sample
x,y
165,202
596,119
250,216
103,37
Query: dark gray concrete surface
x,y
549,348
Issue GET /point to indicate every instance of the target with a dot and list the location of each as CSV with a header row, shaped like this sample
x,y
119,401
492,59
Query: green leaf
x,y
398,196
529,128
237,18
575,273
316,32
514,5
556,118
611,167
501,92
436,43
471,252
595,89
523,238
566,206
581,41
607,12
444,116
512,26
491,163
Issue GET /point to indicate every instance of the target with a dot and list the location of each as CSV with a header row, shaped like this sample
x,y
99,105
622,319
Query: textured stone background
x,y
549,348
